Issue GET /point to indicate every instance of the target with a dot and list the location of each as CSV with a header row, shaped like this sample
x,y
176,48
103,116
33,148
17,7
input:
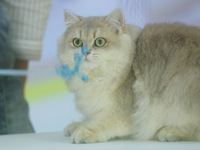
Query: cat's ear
x,y
71,18
116,20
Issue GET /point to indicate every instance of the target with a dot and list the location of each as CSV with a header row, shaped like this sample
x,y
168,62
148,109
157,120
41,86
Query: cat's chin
x,y
88,65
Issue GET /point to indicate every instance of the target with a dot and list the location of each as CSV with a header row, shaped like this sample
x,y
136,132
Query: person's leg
x,y
3,126
13,108
17,111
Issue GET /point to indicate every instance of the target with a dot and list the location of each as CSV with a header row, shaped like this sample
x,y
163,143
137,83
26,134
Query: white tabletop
x,y
56,141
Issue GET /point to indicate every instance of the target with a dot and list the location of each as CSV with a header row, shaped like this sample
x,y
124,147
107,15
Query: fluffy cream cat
x,y
106,100
145,84
167,86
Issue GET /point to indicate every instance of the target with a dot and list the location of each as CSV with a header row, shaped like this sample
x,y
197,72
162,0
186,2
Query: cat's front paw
x,y
68,131
170,134
84,135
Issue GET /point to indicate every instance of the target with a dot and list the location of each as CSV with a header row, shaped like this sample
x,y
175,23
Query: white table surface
x,y
56,141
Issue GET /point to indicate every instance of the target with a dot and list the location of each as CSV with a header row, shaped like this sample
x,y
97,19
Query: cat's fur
x,y
150,90
167,87
106,100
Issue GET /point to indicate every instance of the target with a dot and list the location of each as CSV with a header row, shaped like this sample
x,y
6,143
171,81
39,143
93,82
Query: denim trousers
x,y
14,111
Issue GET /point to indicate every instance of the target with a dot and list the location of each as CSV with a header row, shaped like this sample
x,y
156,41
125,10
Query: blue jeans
x,y
14,117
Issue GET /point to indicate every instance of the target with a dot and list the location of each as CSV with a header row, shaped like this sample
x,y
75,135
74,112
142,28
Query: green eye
x,y
99,42
77,42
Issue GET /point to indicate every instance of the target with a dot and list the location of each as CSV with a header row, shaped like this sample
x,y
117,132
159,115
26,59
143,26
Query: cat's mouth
x,y
87,59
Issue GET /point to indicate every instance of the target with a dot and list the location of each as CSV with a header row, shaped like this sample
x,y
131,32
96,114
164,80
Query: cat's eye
x,y
77,42
99,42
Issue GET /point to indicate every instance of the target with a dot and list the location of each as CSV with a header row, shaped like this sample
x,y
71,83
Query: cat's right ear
x,y
116,20
70,18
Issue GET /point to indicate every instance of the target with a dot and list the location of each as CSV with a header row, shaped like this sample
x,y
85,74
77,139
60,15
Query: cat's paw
x,y
170,134
84,135
68,131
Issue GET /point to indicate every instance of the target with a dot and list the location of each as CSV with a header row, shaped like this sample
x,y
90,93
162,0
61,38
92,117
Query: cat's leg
x,y
100,130
68,131
85,134
173,134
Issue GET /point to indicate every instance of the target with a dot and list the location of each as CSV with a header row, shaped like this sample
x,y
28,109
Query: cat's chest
x,y
92,98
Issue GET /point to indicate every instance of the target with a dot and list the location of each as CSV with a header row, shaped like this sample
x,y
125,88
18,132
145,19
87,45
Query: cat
x,y
106,101
167,83
142,83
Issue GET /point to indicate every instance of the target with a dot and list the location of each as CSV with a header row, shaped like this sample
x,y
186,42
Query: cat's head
x,y
109,45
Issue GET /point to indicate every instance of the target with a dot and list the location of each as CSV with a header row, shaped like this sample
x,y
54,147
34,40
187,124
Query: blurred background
x,y
51,104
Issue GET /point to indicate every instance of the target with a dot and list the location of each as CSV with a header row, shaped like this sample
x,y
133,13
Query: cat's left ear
x,y
71,18
116,20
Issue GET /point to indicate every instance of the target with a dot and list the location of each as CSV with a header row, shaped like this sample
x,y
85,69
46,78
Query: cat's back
x,y
173,28
168,54
171,43
167,70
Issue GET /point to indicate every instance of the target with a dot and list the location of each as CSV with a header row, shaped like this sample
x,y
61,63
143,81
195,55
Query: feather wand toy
x,y
66,73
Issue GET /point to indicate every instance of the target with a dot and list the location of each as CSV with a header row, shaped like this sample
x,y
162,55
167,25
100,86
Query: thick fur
x,y
167,86
106,100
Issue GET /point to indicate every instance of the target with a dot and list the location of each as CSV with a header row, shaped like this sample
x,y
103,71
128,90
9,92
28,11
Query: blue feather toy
x,y
66,73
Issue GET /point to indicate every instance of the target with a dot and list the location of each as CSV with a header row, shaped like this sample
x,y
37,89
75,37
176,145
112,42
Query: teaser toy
x,y
66,73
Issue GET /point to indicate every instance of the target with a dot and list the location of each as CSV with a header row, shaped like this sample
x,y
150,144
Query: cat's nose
x,y
88,52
